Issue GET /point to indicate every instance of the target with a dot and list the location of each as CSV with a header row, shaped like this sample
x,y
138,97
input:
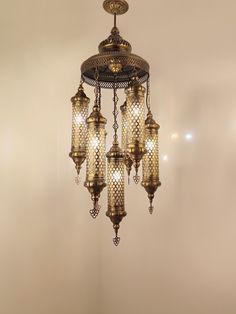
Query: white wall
x,y
48,243
53,257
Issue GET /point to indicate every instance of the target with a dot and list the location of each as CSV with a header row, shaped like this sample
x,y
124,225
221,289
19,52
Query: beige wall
x,y
53,258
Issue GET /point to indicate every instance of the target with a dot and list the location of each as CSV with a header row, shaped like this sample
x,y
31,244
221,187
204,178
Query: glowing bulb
x,y
116,176
188,136
174,136
79,118
136,111
150,144
94,142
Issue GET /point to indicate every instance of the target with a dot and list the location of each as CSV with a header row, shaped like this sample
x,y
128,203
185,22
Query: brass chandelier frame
x,y
115,67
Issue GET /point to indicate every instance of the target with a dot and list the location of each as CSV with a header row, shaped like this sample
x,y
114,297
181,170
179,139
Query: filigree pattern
x,y
135,117
96,164
115,181
79,126
150,159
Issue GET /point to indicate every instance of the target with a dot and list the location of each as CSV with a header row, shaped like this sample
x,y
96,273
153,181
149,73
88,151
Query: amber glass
x,y
95,153
79,115
150,160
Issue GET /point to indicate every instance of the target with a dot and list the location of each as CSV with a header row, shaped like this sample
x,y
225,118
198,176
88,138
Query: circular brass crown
x,y
114,43
117,7
114,60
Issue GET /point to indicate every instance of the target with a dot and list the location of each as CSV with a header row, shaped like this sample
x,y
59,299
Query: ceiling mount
x,y
117,7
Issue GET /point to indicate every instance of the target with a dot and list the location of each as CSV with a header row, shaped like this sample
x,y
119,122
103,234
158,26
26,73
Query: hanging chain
x,y
115,20
97,90
81,80
148,104
115,112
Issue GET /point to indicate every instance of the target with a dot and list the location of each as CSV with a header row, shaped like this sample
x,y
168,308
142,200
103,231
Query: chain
x,y
115,112
148,104
115,20
81,80
97,90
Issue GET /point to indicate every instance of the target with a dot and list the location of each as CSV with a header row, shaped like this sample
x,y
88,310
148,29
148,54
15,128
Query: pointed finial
x,y
151,208
136,177
96,209
116,240
128,179
77,179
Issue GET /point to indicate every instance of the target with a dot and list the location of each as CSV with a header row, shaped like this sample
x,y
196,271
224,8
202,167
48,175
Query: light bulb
x,y
116,176
95,142
149,145
79,119
135,111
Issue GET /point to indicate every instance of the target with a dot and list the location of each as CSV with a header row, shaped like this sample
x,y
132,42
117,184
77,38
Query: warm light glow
x,y
174,136
79,119
165,157
135,111
94,142
116,176
188,136
149,145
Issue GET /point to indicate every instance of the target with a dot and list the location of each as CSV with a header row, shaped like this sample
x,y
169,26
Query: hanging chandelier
x,y
115,67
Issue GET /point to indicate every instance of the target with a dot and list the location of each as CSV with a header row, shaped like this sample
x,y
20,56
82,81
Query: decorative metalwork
x,y
124,134
150,160
117,7
116,194
115,67
80,104
115,180
95,156
102,61
135,118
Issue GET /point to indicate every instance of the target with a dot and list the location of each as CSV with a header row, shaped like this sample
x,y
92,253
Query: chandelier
x,y
115,67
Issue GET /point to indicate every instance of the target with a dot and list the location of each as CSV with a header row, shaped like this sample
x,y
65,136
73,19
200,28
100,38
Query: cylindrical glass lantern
x,y
116,194
135,119
80,104
95,157
151,159
124,126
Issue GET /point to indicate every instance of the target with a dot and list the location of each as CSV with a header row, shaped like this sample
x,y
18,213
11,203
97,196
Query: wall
x,y
49,245
182,259
53,257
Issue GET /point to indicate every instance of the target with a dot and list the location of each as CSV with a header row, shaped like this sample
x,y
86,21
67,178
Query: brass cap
x,y
150,123
135,87
114,43
80,96
115,152
96,117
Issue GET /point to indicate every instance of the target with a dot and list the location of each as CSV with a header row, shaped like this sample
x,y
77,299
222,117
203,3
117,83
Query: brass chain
x,y
115,112
148,103
97,90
